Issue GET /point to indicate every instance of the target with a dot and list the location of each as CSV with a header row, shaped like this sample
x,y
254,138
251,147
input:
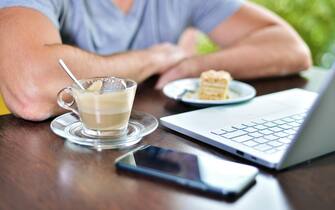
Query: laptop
x,y
277,130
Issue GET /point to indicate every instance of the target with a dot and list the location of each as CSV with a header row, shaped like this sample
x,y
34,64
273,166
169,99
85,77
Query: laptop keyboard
x,y
263,135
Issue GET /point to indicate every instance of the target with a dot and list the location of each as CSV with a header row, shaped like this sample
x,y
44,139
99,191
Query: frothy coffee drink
x,y
103,107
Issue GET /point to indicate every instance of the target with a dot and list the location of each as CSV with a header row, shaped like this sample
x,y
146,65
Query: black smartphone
x,y
208,174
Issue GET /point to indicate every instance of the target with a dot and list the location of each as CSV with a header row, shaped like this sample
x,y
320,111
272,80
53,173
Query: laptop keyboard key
x,y
279,122
242,138
234,134
300,121
294,124
266,132
229,129
281,134
250,130
218,132
271,137
276,129
260,127
239,127
255,134
285,126
249,124
269,124
288,119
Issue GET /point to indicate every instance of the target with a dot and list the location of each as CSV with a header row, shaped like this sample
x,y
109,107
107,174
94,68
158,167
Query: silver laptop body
x,y
276,130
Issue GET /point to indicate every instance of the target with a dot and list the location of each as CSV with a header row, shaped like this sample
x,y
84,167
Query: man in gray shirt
x,y
134,39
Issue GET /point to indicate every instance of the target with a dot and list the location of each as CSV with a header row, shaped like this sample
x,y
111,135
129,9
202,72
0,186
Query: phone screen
x,y
205,173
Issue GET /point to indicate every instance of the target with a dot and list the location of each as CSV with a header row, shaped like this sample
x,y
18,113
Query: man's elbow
x,y
297,57
303,57
33,112
297,51
28,105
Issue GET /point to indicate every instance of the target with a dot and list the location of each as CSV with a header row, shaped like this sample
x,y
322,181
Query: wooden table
x,y
39,170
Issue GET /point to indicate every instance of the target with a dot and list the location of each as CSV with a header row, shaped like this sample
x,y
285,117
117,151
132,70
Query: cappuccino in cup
x,y
104,107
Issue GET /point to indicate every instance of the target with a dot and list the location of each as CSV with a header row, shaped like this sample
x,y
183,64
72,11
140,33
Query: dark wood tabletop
x,y
39,170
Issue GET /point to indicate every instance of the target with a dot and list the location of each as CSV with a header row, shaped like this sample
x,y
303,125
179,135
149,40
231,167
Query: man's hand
x,y
188,67
165,56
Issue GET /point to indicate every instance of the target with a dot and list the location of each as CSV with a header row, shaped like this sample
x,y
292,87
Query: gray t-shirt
x,y
99,26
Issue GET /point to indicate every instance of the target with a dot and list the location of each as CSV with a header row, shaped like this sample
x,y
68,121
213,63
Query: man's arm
x,y
255,43
30,47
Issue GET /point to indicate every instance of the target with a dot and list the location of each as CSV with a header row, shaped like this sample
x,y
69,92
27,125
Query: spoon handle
x,y
67,70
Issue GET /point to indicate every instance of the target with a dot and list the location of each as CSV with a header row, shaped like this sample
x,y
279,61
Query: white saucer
x,y
69,127
185,90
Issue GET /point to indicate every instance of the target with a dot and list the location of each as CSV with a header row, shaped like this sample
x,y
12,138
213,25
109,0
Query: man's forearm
x,y
268,52
134,64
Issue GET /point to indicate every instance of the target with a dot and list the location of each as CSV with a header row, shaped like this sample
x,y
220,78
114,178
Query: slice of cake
x,y
214,85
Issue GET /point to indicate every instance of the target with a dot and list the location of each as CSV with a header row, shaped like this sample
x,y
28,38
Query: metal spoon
x,y
68,72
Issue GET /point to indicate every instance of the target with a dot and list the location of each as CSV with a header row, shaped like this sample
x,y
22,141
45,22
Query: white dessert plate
x,y
186,90
69,127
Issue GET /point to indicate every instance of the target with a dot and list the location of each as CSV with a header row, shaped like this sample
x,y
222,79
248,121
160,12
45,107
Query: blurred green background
x,y
313,19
